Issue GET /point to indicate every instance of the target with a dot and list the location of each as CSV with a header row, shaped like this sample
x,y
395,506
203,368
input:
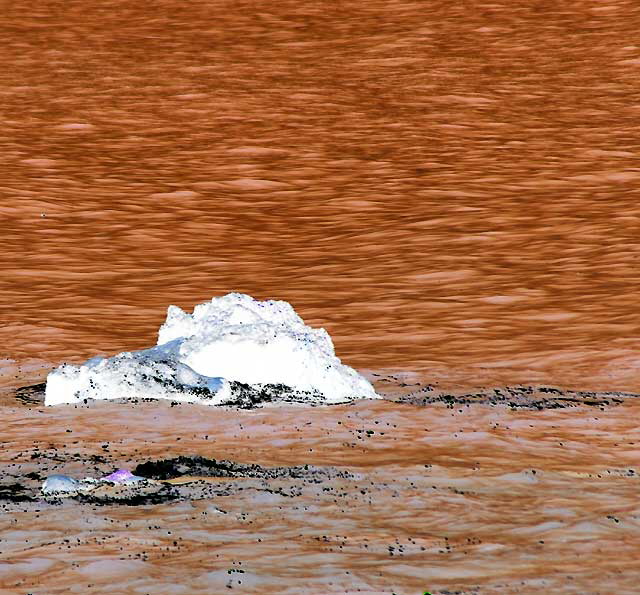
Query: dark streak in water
x,y
201,466
23,486
32,394
520,397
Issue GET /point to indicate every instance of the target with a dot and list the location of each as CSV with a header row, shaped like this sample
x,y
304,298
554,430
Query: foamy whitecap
x,y
233,350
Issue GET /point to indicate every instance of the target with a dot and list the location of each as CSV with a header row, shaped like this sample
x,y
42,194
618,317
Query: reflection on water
x,y
450,190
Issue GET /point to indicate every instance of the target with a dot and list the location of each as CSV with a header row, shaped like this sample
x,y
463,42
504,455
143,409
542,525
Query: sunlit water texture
x,y
449,189
477,499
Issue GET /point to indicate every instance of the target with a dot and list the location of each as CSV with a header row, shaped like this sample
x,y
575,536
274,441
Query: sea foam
x,y
233,350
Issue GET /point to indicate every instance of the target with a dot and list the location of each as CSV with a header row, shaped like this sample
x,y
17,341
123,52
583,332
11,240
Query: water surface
x,y
474,499
450,189
446,188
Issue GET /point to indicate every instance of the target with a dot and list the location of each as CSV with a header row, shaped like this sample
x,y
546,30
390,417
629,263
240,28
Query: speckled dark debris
x,y
32,394
203,467
518,397
243,396
22,482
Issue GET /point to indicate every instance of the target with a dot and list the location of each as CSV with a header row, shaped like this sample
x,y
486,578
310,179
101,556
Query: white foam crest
x,y
229,339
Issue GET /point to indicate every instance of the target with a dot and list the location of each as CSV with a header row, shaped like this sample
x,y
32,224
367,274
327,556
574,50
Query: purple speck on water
x,y
121,476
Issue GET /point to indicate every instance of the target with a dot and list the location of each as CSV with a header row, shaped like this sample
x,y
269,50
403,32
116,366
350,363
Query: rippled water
x,y
473,499
449,189
452,189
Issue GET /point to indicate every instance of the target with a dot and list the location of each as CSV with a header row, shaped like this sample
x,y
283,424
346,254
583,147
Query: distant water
x,y
454,191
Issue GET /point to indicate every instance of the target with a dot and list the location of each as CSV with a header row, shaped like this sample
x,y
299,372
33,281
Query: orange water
x,y
449,189
444,187
470,498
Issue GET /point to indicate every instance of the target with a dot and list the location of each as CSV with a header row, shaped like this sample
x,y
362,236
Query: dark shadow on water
x,y
32,394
